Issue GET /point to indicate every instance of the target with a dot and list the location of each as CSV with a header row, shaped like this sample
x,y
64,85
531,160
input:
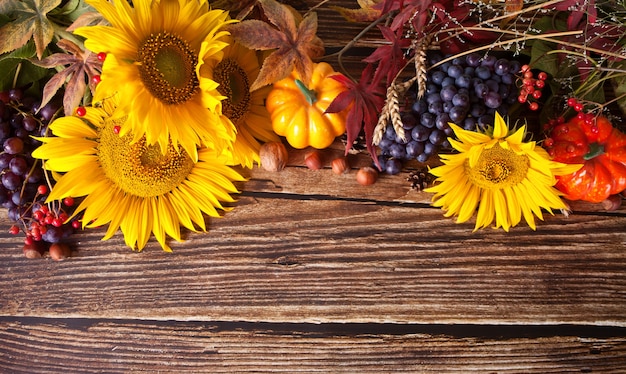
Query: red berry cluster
x,y
46,223
532,87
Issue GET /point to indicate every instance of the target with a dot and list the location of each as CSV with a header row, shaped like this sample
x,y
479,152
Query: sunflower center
x,y
167,68
498,168
138,169
234,84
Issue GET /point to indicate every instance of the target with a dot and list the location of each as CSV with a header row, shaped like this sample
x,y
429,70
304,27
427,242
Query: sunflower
x,y
130,184
234,73
152,52
500,174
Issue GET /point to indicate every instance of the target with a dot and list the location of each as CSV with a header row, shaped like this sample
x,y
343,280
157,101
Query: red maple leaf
x,y
390,57
365,100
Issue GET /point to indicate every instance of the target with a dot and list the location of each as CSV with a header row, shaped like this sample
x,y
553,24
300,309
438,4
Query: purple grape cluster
x,y
23,187
466,91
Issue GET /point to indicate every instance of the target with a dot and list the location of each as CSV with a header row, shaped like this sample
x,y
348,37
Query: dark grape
x,y
448,92
493,100
457,114
466,91
18,166
13,145
393,166
420,133
414,148
437,137
483,72
461,99
473,59
455,71
501,66
11,181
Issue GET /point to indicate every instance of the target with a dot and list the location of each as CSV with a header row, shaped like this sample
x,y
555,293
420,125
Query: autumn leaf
x,y
390,57
366,13
294,45
28,20
365,100
79,67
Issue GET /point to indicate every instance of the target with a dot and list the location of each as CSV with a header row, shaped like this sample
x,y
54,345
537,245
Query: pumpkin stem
x,y
309,95
595,149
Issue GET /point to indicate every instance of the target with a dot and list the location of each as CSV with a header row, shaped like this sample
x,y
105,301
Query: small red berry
x,y
537,94
57,222
549,142
542,76
116,129
38,215
43,229
48,220
533,106
540,84
42,189
95,79
68,201
101,56
522,98
595,130
81,111
571,102
76,224
14,230
528,74
525,68
581,116
28,240
578,107
44,209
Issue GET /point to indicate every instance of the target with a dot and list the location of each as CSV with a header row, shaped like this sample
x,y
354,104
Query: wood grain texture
x,y
184,347
308,246
312,272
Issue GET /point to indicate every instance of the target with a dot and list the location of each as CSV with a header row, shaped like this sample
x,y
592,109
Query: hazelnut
x,y
613,202
340,165
33,250
59,251
273,156
313,160
366,176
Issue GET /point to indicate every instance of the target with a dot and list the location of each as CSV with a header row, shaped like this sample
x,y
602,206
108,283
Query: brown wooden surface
x,y
312,272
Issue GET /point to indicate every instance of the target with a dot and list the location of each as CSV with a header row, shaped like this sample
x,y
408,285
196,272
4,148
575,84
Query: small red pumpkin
x,y
600,147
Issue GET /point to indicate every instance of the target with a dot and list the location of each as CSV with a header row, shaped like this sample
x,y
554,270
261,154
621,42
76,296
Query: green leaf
x,y
27,74
619,84
29,20
543,60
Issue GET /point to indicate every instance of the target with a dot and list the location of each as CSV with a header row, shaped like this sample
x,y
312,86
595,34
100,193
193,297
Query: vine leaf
x,y
28,20
82,66
294,45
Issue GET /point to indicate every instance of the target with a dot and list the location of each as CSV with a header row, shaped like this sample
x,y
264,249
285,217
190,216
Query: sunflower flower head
x,y
152,50
234,72
498,174
132,185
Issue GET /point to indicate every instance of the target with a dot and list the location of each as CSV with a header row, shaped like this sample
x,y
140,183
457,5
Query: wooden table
x,y
312,272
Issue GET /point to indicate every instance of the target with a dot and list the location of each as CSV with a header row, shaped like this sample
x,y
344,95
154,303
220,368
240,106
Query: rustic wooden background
x,y
314,273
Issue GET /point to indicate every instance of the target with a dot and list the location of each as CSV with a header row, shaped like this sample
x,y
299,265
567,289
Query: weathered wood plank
x,y
284,258
84,346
